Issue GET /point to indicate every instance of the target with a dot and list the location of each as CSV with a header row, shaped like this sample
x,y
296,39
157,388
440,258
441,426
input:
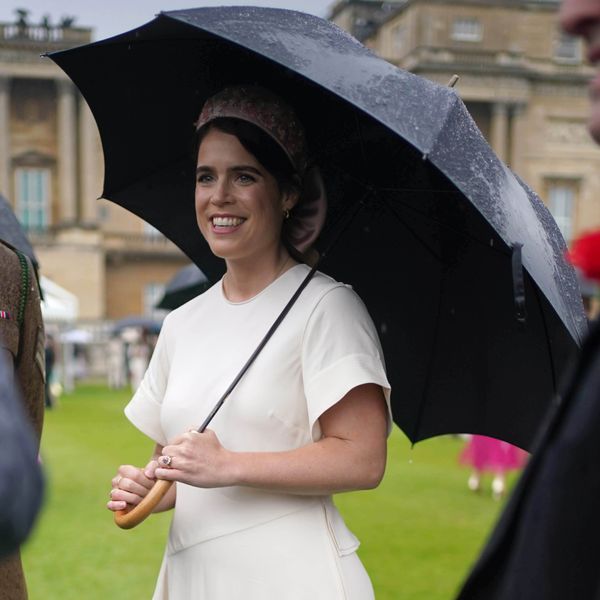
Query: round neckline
x,y
263,291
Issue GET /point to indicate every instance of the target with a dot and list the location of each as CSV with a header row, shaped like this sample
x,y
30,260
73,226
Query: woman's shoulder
x,y
327,292
319,285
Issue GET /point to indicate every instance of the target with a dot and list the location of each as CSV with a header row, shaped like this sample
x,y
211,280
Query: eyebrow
x,y
236,168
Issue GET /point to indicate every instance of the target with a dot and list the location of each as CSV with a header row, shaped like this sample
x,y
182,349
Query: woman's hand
x,y
130,485
197,459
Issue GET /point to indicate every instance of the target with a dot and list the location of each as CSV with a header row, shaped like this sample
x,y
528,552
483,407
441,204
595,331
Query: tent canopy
x,y
59,305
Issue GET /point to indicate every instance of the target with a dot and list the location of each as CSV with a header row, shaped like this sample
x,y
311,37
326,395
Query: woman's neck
x,y
244,280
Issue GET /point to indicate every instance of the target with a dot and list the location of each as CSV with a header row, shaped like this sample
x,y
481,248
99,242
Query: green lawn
x,y
420,530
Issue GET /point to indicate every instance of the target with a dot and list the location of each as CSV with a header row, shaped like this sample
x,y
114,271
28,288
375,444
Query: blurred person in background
x,y
22,342
139,356
490,455
115,363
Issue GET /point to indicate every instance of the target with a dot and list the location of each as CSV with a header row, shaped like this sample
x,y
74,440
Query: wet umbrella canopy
x,y
432,222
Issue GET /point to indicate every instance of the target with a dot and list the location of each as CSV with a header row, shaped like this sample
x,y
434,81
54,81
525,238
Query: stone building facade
x,y
51,170
524,82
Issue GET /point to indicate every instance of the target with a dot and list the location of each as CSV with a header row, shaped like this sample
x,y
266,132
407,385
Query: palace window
x,y
567,48
398,39
561,202
467,30
32,200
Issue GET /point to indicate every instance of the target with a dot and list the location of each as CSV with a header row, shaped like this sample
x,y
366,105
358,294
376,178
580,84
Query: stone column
x,y
5,169
499,130
67,157
91,176
518,136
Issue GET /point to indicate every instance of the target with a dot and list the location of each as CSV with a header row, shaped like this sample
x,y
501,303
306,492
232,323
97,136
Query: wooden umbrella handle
x,y
129,518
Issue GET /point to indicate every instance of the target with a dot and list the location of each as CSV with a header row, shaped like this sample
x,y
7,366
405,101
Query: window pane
x,y
561,200
467,30
398,38
567,48
32,197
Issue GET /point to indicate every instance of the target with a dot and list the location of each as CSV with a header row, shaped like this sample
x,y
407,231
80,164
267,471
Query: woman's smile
x,y
225,223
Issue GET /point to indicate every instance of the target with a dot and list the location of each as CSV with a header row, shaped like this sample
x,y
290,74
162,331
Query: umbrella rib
x,y
358,206
546,337
439,222
413,232
425,394
360,136
442,224
419,190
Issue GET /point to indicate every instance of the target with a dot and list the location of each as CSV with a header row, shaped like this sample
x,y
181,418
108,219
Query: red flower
x,y
585,254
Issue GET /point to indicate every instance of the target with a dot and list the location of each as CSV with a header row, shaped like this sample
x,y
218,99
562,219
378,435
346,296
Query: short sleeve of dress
x,y
144,408
340,351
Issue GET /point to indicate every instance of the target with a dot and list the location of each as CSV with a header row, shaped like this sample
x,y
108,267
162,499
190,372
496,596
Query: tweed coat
x,y
26,345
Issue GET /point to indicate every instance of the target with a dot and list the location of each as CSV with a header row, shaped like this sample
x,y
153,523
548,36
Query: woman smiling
x,y
253,514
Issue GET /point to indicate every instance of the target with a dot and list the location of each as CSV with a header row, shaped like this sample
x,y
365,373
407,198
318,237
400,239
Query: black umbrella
x,y
186,284
12,232
435,225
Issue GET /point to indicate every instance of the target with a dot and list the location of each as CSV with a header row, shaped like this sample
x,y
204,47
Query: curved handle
x,y
128,519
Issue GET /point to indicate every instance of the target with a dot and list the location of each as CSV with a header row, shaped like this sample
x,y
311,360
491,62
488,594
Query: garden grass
x,y
420,530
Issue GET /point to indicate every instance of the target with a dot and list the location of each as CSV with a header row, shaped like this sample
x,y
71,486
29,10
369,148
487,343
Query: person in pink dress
x,y
490,455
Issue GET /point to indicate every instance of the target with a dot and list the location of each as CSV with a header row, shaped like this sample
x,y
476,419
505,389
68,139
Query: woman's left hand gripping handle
x,y
130,485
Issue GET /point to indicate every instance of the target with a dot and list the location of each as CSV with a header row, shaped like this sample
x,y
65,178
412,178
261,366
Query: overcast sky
x,y
110,17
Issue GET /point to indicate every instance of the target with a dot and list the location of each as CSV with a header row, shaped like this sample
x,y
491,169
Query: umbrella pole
x,y
129,518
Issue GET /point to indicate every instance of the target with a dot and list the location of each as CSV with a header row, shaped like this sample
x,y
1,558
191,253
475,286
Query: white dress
x,y
238,542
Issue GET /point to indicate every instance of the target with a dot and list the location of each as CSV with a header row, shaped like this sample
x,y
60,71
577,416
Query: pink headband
x,y
268,112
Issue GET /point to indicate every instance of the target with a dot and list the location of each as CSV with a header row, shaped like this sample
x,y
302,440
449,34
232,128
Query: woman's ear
x,y
289,200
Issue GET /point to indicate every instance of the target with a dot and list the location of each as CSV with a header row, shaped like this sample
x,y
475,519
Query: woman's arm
x,y
351,455
131,484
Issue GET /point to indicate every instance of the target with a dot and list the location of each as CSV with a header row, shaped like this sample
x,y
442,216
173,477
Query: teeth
x,y
227,221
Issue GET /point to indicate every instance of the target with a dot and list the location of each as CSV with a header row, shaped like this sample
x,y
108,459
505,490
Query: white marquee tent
x,y
59,305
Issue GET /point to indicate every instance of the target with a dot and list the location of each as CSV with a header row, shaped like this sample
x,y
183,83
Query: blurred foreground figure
x,y
546,543
21,412
21,479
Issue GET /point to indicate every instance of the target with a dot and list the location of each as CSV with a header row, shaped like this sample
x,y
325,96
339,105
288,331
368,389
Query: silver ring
x,y
166,461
